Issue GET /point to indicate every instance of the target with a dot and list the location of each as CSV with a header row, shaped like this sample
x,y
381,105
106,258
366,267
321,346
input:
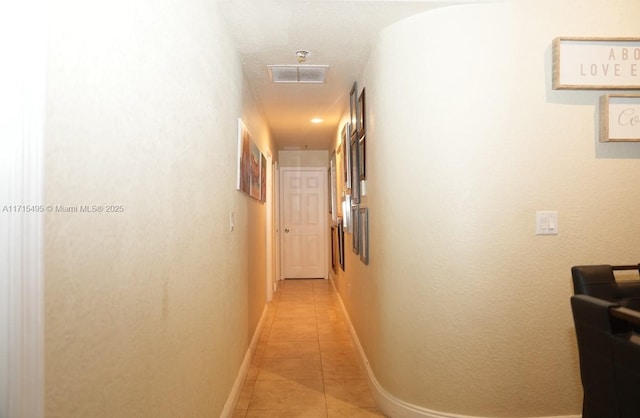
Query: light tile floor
x,y
305,365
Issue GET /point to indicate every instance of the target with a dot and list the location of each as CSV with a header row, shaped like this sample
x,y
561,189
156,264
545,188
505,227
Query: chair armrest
x,y
627,314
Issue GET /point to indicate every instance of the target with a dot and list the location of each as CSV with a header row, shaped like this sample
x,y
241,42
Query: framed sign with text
x,y
620,118
596,63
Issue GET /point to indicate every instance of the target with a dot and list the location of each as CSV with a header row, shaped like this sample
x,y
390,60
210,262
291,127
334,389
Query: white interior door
x,y
303,223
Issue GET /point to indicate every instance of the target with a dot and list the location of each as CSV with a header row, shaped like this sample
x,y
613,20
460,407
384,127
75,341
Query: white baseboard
x,y
386,402
236,390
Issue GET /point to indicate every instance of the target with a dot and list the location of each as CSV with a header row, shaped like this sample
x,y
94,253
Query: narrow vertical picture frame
x,y
333,189
362,158
346,213
255,186
346,155
339,179
362,135
353,106
363,229
341,244
244,159
355,170
355,242
334,249
361,114
263,178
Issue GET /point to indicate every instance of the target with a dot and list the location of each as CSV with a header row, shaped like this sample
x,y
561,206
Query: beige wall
x,y
303,158
254,222
149,311
463,309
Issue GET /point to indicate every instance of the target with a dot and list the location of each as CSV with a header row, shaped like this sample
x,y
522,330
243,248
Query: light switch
x,y
546,222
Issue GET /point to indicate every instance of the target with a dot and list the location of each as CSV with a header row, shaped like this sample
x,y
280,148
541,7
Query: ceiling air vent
x,y
315,74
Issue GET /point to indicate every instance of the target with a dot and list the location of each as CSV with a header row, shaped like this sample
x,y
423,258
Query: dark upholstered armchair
x,y
594,331
609,352
599,281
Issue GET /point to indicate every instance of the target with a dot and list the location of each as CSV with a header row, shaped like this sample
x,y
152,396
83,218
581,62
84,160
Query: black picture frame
x,y
346,155
361,112
334,249
355,170
361,126
363,229
362,158
341,244
355,242
353,106
244,159
347,225
333,190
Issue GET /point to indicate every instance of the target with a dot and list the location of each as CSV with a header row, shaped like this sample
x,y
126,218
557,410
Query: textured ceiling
x,y
337,33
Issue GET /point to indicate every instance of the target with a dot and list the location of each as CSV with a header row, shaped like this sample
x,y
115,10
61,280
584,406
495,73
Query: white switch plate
x,y
547,222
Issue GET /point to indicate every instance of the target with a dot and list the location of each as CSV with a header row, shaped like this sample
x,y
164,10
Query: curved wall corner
x,y
462,308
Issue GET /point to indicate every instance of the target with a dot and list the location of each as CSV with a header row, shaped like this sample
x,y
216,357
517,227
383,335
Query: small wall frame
x,y
620,118
345,145
355,170
596,63
355,219
363,231
335,250
346,214
353,107
341,244
333,190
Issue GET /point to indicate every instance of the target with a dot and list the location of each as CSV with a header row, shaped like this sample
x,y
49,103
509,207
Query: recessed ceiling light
x,y
317,120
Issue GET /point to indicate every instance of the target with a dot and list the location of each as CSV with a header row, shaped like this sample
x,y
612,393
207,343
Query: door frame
x,y
276,228
271,227
323,219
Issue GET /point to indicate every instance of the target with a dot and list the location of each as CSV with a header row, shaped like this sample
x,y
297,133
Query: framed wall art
x,y
363,230
346,213
356,236
362,158
255,185
355,171
596,63
333,190
362,137
341,244
252,166
244,159
335,251
263,178
353,106
346,155
620,118
360,114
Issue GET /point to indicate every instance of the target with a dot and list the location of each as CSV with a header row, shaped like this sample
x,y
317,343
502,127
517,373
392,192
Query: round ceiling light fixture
x,y
302,55
317,120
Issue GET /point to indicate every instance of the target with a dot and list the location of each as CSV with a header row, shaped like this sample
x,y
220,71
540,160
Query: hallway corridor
x,y
305,365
